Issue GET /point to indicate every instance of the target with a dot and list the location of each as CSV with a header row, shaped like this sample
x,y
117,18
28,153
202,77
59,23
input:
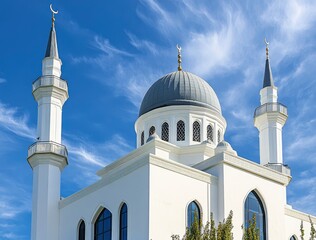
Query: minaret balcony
x,y
49,81
279,167
271,107
42,147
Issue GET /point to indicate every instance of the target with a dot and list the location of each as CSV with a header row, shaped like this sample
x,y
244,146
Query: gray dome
x,y
179,88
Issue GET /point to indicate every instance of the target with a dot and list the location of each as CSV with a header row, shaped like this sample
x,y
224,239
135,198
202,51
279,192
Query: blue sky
x,y
112,51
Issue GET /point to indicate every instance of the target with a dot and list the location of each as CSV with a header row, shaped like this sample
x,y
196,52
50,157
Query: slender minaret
x,y
47,156
269,118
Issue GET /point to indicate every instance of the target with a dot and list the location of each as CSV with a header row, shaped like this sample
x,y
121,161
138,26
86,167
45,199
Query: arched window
x,y
123,222
103,226
254,206
180,131
210,132
82,230
196,132
193,210
152,130
165,132
142,139
293,238
219,135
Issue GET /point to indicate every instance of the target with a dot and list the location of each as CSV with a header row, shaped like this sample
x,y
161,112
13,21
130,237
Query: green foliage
x,y
302,231
313,231
209,232
252,232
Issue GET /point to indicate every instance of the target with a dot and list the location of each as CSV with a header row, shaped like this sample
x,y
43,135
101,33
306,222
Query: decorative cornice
x,y
299,215
226,158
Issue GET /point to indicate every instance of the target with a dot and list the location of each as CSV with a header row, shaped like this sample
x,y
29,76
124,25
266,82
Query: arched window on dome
x,y
152,130
219,136
293,237
82,230
103,226
196,132
165,131
180,131
123,222
254,206
142,138
193,211
209,131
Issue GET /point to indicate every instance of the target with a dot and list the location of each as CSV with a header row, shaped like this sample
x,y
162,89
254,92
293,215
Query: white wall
x,y
132,189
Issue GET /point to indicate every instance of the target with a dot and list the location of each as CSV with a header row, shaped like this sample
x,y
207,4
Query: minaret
x,y
269,118
47,156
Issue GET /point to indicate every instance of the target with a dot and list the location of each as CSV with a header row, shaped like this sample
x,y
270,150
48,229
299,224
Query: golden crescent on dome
x,y
52,10
179,48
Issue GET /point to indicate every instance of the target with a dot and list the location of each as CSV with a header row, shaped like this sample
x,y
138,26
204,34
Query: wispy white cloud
x,y
12,120
142,44
104,45
2,80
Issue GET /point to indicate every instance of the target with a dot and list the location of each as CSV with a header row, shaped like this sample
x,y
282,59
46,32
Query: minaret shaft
x,y
47,156
269,119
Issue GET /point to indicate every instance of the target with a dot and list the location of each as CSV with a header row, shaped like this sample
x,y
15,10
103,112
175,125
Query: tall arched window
x,y
142,139
219,135
210,132
193,210
196,132
254,206
180,131
82,230
123,222
152,130
103,226
165,132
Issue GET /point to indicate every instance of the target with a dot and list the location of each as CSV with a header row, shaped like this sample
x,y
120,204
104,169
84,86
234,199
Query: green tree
x,y
302,231
251,232
209,232
313,231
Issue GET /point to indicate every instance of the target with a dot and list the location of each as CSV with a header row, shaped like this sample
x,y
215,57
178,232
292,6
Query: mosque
x,y
182,165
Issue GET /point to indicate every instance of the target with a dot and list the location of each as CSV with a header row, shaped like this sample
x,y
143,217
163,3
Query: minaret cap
x,y
268,79
179,58
52,50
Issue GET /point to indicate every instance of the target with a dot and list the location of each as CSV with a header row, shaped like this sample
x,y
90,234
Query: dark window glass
x,y
180,131
165,132
103,226
142,139
123,222
152,130
293,238
82,231
196,132
219,135
254,206
210,133
193,210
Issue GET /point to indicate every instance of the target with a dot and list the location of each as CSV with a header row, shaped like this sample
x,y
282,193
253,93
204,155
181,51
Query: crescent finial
x,y
267,48
52,10
53,13
179,58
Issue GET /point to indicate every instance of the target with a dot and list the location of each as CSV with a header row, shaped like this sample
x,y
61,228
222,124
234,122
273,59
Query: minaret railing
x,y
47,147
50,80
271,107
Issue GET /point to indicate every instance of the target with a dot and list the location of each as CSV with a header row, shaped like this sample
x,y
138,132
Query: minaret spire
x,y
179,58
52,50
268,79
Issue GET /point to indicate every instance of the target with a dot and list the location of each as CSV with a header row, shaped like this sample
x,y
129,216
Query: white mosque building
x,y
181,165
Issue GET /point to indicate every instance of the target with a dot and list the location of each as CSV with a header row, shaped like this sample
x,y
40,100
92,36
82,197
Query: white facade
x,y
158,180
